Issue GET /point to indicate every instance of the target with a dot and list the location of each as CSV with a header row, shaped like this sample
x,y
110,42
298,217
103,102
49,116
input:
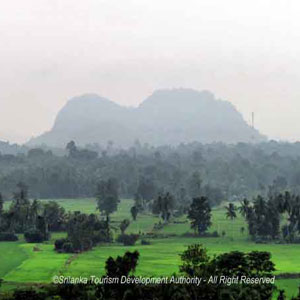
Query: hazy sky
x,y
246,52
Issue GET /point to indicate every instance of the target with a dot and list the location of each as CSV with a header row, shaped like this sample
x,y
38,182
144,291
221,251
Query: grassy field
x,y
11,256
20,264
289,285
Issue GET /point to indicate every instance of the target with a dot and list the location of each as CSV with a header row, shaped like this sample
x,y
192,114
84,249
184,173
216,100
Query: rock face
x,y
166,117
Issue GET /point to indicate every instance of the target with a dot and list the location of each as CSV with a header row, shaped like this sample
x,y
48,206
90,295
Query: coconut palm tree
x,y
244,208
230,211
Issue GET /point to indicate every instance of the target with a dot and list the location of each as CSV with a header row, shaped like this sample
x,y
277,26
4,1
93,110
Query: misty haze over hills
x,y
166,117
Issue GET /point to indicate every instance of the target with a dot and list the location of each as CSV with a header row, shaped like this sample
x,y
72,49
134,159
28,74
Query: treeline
x,y
35,219
274,218
221,171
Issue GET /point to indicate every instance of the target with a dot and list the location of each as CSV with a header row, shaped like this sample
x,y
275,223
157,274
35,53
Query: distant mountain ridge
x,y
166,117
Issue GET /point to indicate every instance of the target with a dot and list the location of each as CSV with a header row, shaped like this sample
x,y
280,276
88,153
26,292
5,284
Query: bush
x,y
35,236
158,226
64,245
128,239
68,247
155,235
101,237
262,240
213,234
203,235
145,242
59,244
8,237
27,294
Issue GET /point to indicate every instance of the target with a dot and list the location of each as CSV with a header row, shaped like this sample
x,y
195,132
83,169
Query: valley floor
x,y
21,265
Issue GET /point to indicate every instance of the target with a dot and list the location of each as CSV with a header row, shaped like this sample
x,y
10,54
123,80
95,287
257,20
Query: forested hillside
x,y
7,148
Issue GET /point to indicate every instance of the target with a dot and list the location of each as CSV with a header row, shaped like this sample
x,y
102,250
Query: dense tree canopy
x,y
108,196
217,170
200,215
275,217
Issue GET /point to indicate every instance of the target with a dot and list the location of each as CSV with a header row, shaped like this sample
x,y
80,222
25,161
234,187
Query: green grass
x,y
11,256
40,266
289,285
86,205
20,264
162,256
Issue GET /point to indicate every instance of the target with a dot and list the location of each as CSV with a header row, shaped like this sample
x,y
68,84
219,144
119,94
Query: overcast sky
x,y
246,52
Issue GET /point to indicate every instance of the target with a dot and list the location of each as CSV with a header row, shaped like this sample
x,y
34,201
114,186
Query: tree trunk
x,y
107,225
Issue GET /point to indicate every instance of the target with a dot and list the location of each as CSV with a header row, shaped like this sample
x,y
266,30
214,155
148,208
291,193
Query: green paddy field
x,y
20,265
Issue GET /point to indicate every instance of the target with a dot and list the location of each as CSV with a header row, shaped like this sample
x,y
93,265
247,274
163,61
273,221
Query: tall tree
x,y
263,218
42,227
21,195
164,205
230,211
195,185
108,198
20,209
55,215
1,204
146,190
200,215
260,206
244,207
1,211
134,212
272,220
35,210
124,225
71,147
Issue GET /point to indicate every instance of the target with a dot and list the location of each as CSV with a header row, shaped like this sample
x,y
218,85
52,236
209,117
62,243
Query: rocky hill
x,y
166,117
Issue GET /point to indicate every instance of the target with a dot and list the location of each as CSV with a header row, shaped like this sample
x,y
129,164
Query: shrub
x,y
262,240
158,226
145,242
68,247
8,237
27,294
59,244
213,234
204,235
64,245
124,225
101,237
35,236
128,239
155,235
